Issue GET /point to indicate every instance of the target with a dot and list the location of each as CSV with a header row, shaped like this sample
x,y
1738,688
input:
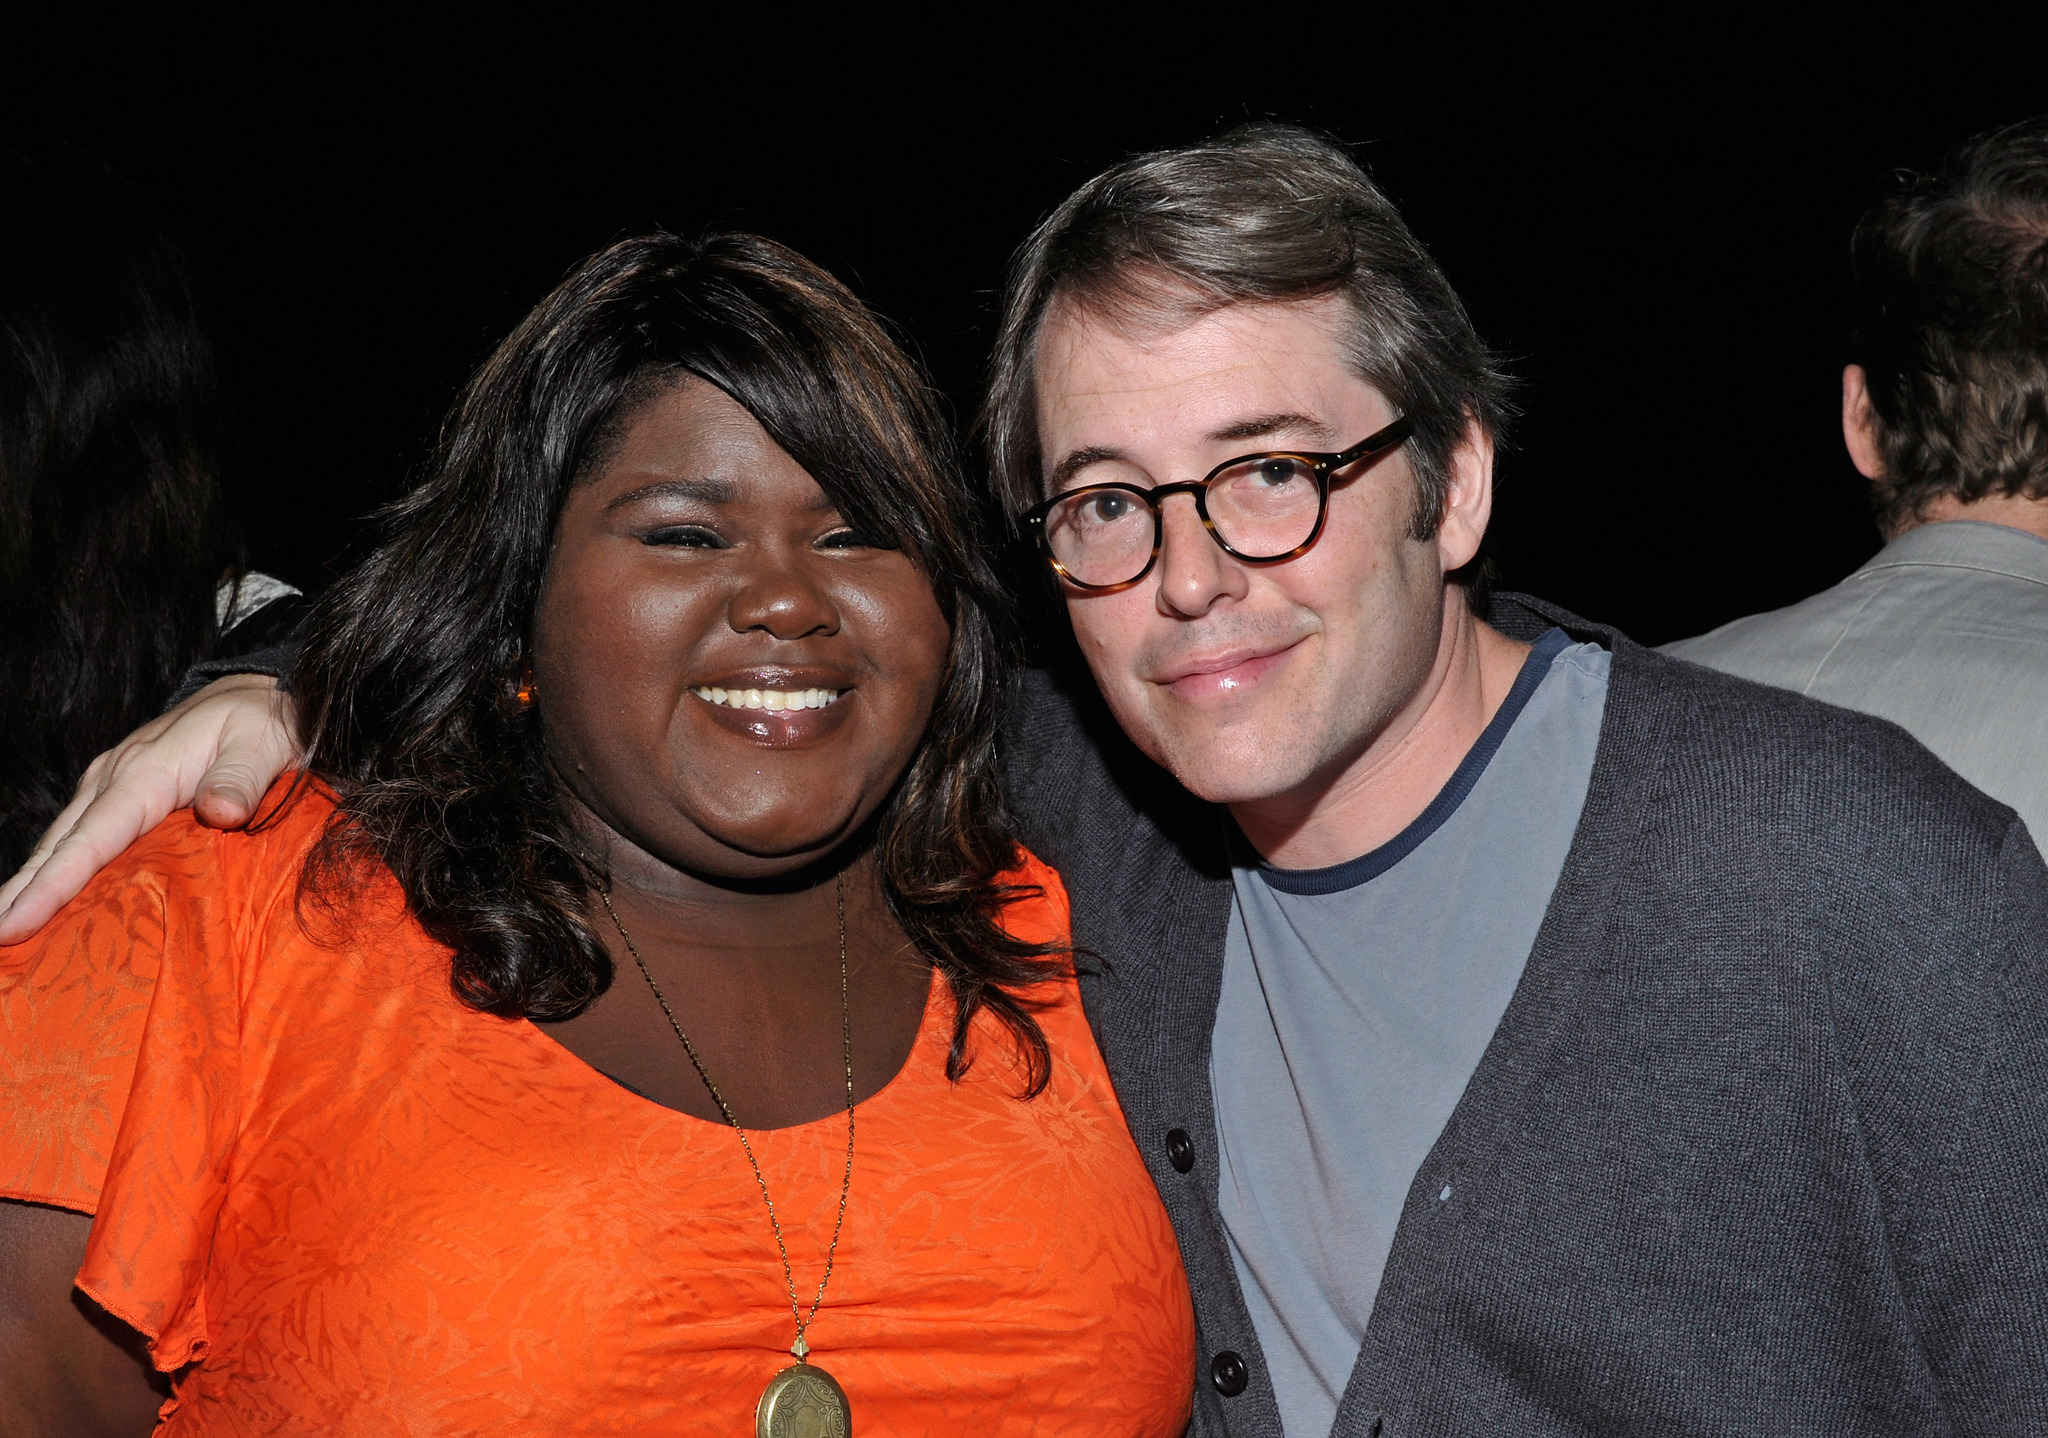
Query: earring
x,y
526,691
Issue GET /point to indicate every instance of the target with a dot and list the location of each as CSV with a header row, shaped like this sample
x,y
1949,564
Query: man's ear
x,y
1859,424
1468,502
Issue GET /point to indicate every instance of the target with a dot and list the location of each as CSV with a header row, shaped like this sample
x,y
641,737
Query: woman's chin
x,y
794,832
767,858
763,850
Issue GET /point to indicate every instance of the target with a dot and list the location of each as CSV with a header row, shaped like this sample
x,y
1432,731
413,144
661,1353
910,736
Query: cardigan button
x,y
1228,1372
1180,1150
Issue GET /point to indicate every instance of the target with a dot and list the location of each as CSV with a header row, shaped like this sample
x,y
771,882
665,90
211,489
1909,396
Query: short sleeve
x,y
122,1074
73,1004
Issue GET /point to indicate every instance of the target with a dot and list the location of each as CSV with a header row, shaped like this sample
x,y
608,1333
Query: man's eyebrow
x,y
1255,428
704,491
1079,460
1265,424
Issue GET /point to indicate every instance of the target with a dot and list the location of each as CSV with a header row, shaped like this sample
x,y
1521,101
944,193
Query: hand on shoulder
x,y
218,752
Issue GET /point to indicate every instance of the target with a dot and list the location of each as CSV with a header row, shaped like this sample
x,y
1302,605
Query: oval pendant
x,y
803,1401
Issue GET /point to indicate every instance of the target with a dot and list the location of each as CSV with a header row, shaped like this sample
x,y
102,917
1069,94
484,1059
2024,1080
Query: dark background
x,y
1650,222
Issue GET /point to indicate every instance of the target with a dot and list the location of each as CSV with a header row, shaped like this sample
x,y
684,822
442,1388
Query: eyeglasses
x,y
1259,508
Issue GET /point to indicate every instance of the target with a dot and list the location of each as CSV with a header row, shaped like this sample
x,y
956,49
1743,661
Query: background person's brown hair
x,y
1266,212
1949,277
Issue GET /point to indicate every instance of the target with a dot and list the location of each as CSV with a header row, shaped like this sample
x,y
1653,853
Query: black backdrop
x,y
1652,227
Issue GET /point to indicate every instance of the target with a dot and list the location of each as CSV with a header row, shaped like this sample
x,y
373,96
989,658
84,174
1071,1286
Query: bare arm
x,y
66,1366
218,752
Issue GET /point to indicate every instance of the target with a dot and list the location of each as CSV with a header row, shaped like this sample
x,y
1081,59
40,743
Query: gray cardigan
x,y
1761,1144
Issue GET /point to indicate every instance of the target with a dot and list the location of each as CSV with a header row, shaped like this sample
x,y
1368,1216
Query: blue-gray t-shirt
x,y
1357,1001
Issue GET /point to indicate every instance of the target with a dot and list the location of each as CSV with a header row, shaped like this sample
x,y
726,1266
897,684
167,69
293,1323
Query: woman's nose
x,y
781,598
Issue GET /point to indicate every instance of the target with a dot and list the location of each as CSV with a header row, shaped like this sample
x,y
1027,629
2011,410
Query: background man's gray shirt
x,y
1945,633
1357,1001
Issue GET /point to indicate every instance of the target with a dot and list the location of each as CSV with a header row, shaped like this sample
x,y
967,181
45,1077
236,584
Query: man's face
x,y
1250,682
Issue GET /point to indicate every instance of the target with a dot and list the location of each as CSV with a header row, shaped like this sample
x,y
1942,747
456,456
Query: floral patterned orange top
x,y
339,1201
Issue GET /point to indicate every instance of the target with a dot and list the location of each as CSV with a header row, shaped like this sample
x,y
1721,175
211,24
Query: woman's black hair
x,y
402,685
113,530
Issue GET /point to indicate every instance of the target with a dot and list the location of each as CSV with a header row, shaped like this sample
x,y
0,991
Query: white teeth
x,y
781,701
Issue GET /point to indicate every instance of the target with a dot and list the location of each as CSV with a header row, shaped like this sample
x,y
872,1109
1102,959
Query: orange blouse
x,y
338,1200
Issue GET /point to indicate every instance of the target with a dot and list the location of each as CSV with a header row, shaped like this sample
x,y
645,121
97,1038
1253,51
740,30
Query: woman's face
x,y
730,677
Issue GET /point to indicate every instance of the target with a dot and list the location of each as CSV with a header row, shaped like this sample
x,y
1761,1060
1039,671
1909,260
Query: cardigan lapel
x,y
1535,1036
1153,1001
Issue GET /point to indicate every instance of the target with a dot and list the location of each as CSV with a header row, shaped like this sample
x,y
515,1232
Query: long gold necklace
x,y
803,1400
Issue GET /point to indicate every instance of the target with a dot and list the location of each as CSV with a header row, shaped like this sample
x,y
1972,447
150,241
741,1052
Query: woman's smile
x,y
776,711
773,700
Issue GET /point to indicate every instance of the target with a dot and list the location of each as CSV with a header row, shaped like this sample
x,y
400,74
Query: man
x,y
1945,412
1528,1033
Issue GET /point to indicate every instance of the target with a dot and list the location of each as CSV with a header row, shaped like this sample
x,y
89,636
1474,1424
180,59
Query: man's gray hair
x,y
1267,212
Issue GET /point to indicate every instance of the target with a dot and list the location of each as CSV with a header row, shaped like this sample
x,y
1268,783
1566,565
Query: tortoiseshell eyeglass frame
x,y
1322,465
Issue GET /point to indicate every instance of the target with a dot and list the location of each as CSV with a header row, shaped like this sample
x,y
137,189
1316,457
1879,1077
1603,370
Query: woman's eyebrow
x,y
704,491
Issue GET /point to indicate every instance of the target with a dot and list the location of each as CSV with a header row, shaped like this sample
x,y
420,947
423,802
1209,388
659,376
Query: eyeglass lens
x,y
1262,507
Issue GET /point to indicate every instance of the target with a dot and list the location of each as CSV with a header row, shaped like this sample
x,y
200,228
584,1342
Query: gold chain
x,y
800,1348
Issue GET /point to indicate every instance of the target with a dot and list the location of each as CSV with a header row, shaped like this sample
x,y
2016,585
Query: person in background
x,y
1945,412
117,553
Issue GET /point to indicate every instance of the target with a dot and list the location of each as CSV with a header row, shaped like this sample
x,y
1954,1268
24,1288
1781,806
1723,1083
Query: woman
x,y
680,667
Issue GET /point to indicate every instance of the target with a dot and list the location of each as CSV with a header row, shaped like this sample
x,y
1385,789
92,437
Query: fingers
x,y
226,743
228,797
254,749
59,827
105,826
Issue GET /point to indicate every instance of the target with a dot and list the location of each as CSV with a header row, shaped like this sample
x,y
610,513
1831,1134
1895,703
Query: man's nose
x,y
1194,572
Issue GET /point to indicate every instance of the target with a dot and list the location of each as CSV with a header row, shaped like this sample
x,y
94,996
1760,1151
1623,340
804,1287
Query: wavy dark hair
x,y
113,530
401,686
